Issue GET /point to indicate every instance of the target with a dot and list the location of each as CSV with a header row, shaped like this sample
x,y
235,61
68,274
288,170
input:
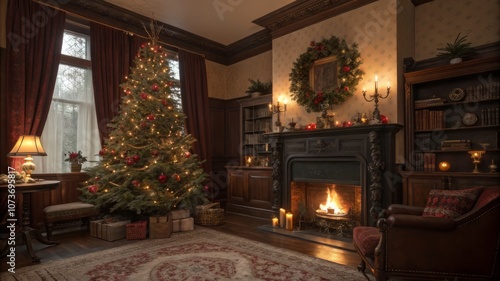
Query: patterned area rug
x,y
202,254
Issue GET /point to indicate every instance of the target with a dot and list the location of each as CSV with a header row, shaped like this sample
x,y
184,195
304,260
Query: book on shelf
x,y
429,120
425,161
490,116
428,102
455,145
429,162
485,91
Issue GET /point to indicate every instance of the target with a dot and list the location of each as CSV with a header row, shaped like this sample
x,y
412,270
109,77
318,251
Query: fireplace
x,y
356,165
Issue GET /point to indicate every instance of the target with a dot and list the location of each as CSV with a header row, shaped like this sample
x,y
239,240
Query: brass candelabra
x,y
375,97
476,156
277,109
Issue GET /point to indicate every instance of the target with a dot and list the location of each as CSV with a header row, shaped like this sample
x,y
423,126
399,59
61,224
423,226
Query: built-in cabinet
x,y
256,120
249,191
451,111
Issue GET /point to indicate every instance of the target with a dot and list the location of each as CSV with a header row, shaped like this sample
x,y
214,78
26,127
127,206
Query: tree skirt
x,y
202,254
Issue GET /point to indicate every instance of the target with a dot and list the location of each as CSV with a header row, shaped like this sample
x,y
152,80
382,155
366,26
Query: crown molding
x,y
292,17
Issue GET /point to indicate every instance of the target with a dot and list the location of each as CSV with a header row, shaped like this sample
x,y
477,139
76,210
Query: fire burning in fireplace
x,y
332,205
321,205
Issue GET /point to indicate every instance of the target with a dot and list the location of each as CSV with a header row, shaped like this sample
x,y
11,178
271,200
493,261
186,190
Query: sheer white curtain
x,y
60,134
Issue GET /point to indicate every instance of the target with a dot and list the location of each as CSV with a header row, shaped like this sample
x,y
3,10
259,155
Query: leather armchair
x,y
407,245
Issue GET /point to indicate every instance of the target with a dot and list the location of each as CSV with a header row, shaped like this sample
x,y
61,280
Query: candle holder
x,y
375,97
476,156
277,109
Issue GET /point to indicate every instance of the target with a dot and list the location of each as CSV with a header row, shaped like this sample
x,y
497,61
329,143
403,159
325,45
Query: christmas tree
x,y
146,166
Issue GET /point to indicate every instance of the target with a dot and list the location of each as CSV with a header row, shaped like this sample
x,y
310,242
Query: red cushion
x,y
366,239
451,203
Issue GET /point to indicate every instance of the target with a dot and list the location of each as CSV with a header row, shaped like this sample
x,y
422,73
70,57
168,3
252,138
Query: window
x,y
71,124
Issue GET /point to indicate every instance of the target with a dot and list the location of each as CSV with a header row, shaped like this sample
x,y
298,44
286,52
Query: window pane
x,y
75,45
71,83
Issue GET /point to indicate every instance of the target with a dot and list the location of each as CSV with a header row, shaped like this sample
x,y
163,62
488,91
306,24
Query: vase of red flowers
x,y
76,159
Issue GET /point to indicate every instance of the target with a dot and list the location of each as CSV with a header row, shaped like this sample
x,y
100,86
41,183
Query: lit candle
x,y
249,161
376,82
444,166
289,221
284,102
270,107
364,89
282,217
275,222
388,85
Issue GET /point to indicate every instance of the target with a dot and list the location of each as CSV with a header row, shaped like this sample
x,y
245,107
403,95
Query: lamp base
x,y
28,168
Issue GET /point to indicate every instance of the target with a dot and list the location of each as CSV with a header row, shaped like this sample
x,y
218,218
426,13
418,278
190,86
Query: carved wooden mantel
x,y
373,147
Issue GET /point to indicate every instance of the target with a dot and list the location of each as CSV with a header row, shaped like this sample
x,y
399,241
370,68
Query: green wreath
x,y
348,74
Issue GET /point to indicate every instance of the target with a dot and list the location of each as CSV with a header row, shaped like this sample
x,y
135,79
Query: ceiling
x,y
224,31
222,21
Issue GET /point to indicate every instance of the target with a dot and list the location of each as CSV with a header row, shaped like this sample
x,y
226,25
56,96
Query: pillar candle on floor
x,y
289,221
282,217
275,222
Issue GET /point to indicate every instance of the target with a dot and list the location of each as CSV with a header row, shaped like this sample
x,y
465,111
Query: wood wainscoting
x,y
66,193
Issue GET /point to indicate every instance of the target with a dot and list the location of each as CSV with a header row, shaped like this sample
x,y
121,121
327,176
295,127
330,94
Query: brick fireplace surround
x,y
360,155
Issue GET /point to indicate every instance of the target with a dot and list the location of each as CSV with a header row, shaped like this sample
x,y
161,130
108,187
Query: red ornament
x,y
93,188
129,161
346,68
113,151
206,187
346,88
384,119
311,126
151,117
136,158
162,178
164,102
187,154
96,178
155,87
144,125
176,177
144,96
102,151
155,153
136,183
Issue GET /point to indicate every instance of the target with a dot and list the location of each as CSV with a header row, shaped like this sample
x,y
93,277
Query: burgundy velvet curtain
x,y
193,76
112,53
34,40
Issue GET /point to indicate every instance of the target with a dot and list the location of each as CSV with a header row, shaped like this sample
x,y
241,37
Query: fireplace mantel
x,y
373,147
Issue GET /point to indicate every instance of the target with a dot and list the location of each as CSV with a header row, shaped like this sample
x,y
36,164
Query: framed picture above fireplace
x,y
323,74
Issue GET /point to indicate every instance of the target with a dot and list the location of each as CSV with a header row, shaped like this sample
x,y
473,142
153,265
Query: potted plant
x,y
76,159
456,50
257,87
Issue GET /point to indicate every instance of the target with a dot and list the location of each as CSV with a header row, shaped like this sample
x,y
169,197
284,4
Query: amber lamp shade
x,y
444,166
27,146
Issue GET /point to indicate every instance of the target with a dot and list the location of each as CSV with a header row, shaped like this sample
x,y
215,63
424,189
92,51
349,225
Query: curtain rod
x,y
117,28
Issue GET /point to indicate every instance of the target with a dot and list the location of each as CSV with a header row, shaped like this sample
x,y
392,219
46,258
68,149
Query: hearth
x,y
356,164
331,208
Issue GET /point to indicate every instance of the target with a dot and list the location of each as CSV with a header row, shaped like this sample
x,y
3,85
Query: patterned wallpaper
x,y
229,82
373,28
385,33
439,22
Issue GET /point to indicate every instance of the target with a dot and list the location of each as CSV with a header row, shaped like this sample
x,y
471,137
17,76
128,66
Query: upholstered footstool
x,y
68,212
365,240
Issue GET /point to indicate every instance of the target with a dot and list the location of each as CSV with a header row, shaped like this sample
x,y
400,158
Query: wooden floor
x,y
78,242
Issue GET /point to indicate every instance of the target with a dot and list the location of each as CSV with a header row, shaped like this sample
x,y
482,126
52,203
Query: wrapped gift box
x,y
160,227
109,231
137,230
185,224
180,214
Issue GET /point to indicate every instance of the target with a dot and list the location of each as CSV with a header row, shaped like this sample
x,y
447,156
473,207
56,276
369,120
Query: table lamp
x,y
28,145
